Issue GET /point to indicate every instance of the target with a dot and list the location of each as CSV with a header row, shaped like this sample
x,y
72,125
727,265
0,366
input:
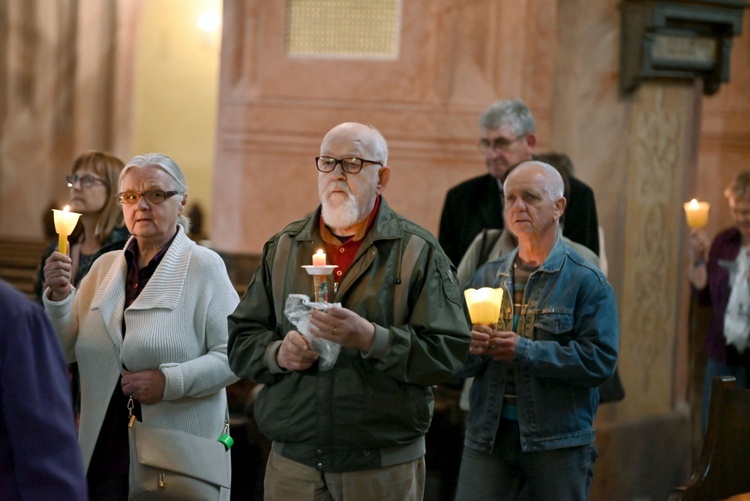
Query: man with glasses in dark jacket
x,y
507,138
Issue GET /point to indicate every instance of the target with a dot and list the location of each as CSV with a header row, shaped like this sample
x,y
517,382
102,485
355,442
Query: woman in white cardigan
x,y
150,322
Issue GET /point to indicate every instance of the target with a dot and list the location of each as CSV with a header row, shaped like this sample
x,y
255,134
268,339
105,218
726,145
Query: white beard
x,y
342,216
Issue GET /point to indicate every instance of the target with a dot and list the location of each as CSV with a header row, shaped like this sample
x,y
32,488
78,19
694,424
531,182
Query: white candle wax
x,y
319,258
65,223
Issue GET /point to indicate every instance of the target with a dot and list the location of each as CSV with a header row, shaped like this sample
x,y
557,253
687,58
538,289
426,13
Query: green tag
x,y
226,440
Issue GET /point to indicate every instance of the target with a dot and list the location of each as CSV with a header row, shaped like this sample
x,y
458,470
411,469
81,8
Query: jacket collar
x,y
163,291
164,288
551,264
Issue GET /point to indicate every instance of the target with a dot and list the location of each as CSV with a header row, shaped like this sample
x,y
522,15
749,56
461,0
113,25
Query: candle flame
x,y
66,208
696,213
320,251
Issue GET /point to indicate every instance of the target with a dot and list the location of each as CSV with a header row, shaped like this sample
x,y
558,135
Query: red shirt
x,y
342,254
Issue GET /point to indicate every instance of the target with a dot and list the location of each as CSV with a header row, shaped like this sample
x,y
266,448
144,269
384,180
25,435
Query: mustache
x,y
338,186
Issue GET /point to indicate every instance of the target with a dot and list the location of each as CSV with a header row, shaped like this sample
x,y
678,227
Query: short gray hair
x,y
169,166
512,112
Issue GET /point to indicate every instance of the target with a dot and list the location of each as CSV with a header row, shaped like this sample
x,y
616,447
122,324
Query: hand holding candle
x,y
696,214
65,222
484,305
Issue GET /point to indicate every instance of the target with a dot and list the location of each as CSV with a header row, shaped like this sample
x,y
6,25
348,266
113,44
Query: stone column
x,y
664,121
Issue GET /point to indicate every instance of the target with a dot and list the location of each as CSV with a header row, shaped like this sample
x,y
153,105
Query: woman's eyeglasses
x,y
86,181
154,196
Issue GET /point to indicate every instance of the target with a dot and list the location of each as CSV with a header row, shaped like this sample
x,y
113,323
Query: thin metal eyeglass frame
x,y
74,178
494,146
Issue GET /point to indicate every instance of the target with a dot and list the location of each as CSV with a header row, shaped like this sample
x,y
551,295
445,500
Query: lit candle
x,y
484,305
696,213
319,258
65,222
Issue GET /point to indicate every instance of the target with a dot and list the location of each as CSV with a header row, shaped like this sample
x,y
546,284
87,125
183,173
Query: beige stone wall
x,y
274,109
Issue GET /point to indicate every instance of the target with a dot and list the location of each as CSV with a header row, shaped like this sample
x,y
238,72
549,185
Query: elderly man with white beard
x,y
358,429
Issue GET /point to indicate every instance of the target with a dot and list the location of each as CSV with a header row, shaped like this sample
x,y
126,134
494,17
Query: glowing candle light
x,y
319,258
696,213
65,222
484,305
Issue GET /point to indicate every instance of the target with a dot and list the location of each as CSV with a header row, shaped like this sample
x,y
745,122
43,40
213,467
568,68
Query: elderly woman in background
x,y
100,229
719,274
156,313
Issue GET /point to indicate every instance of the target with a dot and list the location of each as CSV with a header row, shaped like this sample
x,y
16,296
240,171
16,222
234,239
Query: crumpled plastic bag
x,y
297,309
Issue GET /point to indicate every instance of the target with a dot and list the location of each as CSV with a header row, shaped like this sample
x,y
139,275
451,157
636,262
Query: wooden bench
x,y
723,468
241,268
19,260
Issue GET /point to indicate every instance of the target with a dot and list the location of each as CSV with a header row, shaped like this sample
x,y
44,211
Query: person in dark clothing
x,y
507,138
39,454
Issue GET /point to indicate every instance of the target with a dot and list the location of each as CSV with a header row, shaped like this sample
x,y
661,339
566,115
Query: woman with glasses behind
x,y
100,229
148,322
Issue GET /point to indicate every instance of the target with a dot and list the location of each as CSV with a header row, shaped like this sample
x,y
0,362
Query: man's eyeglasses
x,y
351,165
86,181
499,144
156,197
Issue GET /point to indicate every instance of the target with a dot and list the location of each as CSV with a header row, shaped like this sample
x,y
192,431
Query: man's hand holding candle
x,y
500,345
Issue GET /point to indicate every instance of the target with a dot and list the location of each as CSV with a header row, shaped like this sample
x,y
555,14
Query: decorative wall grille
x,y
343,28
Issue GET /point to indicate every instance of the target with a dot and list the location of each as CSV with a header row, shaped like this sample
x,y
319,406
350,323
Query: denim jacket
x,y
569,337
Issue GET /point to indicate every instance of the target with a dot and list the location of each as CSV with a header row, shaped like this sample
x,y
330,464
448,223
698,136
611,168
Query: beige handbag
x,y
170,464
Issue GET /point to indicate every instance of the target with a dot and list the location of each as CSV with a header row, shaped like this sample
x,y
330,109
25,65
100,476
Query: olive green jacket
x,y
372,409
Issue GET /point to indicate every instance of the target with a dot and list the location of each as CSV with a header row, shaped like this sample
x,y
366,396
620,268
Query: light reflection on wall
x,y
175,91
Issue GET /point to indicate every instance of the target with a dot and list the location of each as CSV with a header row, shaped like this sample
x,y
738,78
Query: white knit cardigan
x,y
178,324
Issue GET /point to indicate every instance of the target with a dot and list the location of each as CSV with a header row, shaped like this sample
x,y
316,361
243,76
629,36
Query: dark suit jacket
x,y
475,205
